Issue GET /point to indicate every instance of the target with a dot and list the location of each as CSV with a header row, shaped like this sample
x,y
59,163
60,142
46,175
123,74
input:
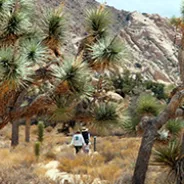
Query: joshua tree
x,y
30,58
156,123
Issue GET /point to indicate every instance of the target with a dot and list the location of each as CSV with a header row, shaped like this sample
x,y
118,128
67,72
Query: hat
x,y
84,129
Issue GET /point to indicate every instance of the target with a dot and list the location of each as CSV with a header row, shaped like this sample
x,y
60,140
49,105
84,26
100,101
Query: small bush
x,y
147,104
105,116
50,155
174,126
109,172
130,125
156,88
167,155
80,163
127,84
21,175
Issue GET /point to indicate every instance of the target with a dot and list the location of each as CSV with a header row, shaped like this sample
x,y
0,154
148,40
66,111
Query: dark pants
x,y
77,148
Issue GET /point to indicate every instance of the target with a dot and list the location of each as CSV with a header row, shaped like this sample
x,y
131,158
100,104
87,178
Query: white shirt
x,y
77,140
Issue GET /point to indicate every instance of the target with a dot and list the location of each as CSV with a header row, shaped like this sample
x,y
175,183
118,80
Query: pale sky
x,y
166,8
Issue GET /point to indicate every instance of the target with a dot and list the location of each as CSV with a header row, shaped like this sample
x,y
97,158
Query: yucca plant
x,y
26,6
174,126
14,76
53,29
147,104
106,54
73,84
65,107
10,6
130,124
98,20
105,115
14,68
34,51
167,155
73,77
15,22
171,156
5,6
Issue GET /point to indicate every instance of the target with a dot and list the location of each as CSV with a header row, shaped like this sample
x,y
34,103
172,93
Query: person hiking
x,y
86,136
77,141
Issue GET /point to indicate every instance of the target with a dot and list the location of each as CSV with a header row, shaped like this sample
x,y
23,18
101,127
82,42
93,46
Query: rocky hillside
x,y
148,37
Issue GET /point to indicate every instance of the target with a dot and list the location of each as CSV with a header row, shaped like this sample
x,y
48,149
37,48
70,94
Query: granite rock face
x,y
149,38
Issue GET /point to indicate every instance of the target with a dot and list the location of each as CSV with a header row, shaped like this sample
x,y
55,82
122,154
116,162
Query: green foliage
x,y
105,115
130,124
65,107
108,53
15,18
15,24
98,21
53,26
13,68
147,104
40,131
127,84
174,126
156,88
167,155
37,149
77,76
33,51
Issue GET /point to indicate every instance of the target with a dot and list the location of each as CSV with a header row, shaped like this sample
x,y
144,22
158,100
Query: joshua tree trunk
x,y
150,134
27,130
144,153
15,134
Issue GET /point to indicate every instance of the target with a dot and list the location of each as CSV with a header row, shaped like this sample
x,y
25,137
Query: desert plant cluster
x,y
46,94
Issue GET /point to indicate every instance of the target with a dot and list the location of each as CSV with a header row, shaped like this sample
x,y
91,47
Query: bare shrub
x,y
21,175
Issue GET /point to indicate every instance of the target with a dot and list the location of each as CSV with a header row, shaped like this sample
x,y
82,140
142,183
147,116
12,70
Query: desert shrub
x,y
109,173
167,155
156,88
105,116
49,129
174,126
50,155
18,156
108,149
171,156
80,163
130,124
127,84
21,175
147,104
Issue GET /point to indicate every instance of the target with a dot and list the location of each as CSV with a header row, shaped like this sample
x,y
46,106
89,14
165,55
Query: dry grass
x,y
113,162
81,163
21,175
19,156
